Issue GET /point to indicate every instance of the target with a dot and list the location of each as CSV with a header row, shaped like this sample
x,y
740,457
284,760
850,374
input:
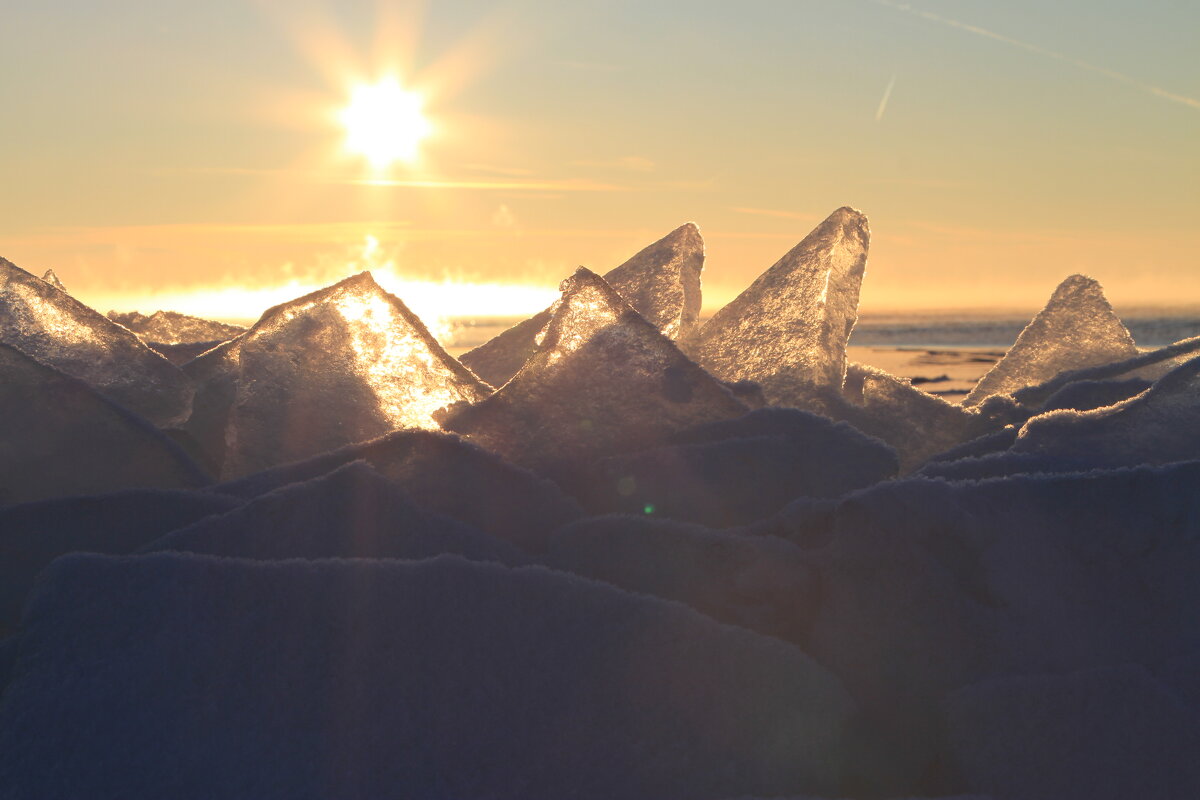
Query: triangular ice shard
x,y
56,329
59,437
344,364
53,280
661,282
1076,329
169,327
603,380
788,330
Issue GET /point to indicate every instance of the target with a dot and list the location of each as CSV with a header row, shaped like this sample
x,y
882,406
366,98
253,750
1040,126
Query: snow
x,y
734,472
34,534
788,330
661,282
199,677
603,381
353,512
1076,329
444,474
342,365
59,437
1104,734
57,330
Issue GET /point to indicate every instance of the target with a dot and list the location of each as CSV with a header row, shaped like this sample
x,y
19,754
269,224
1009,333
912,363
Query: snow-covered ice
x,y
170,327
788,330
199,677
53,280
661,282
56,329
1076,329
60,437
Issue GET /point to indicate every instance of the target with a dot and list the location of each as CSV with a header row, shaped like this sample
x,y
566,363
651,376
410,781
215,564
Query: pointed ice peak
x,y
1076,329
602,381
788,330
54,328
661,282
344,364
53,280
172,328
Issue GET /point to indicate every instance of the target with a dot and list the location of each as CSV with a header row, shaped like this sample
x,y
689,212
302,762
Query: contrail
x,y
887,93
1042,51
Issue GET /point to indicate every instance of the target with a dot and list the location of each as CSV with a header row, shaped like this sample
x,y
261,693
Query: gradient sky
x,y
154,150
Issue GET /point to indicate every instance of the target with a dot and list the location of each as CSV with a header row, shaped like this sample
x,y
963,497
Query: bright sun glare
x,y
384,123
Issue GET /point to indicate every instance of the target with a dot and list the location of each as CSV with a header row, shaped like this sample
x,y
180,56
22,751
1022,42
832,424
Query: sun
x,y
384,123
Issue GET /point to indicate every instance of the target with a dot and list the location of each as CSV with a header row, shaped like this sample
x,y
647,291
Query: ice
x,y
1103,734
59,437
344,364
444,474
661,282
760,583
1148,366
56,329
1158,426
1076,329
353,512
53,280
603,381
738,471
197,677
944,585
788,330
171,328
34,534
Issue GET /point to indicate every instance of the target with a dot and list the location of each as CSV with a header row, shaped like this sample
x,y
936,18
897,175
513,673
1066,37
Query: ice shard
x,y
344,364
604,380
788,330
59,437
56,329
53,280
1076,329
169,327
661,282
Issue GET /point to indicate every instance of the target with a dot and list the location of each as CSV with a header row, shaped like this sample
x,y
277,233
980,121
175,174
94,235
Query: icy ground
x,y
617,554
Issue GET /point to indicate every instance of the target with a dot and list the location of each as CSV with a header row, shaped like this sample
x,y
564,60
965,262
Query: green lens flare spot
x,y
648,508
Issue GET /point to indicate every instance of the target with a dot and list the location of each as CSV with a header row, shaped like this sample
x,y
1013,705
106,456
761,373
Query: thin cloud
x,y
887,94
1191,102
628,163
554,185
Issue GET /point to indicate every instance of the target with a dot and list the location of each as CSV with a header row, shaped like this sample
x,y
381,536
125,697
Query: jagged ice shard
x,y
1076,329
53,280
788,330
54,328
661,282
603,380
60,437
169,327
344,364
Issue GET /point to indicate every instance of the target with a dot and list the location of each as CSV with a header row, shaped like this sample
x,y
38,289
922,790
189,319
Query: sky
x,y
163,154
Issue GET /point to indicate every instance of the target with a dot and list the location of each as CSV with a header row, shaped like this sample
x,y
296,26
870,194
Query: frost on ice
x,y
56,329
1076,329
603,380
344,364
59,437
661,282
788,330
169,327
